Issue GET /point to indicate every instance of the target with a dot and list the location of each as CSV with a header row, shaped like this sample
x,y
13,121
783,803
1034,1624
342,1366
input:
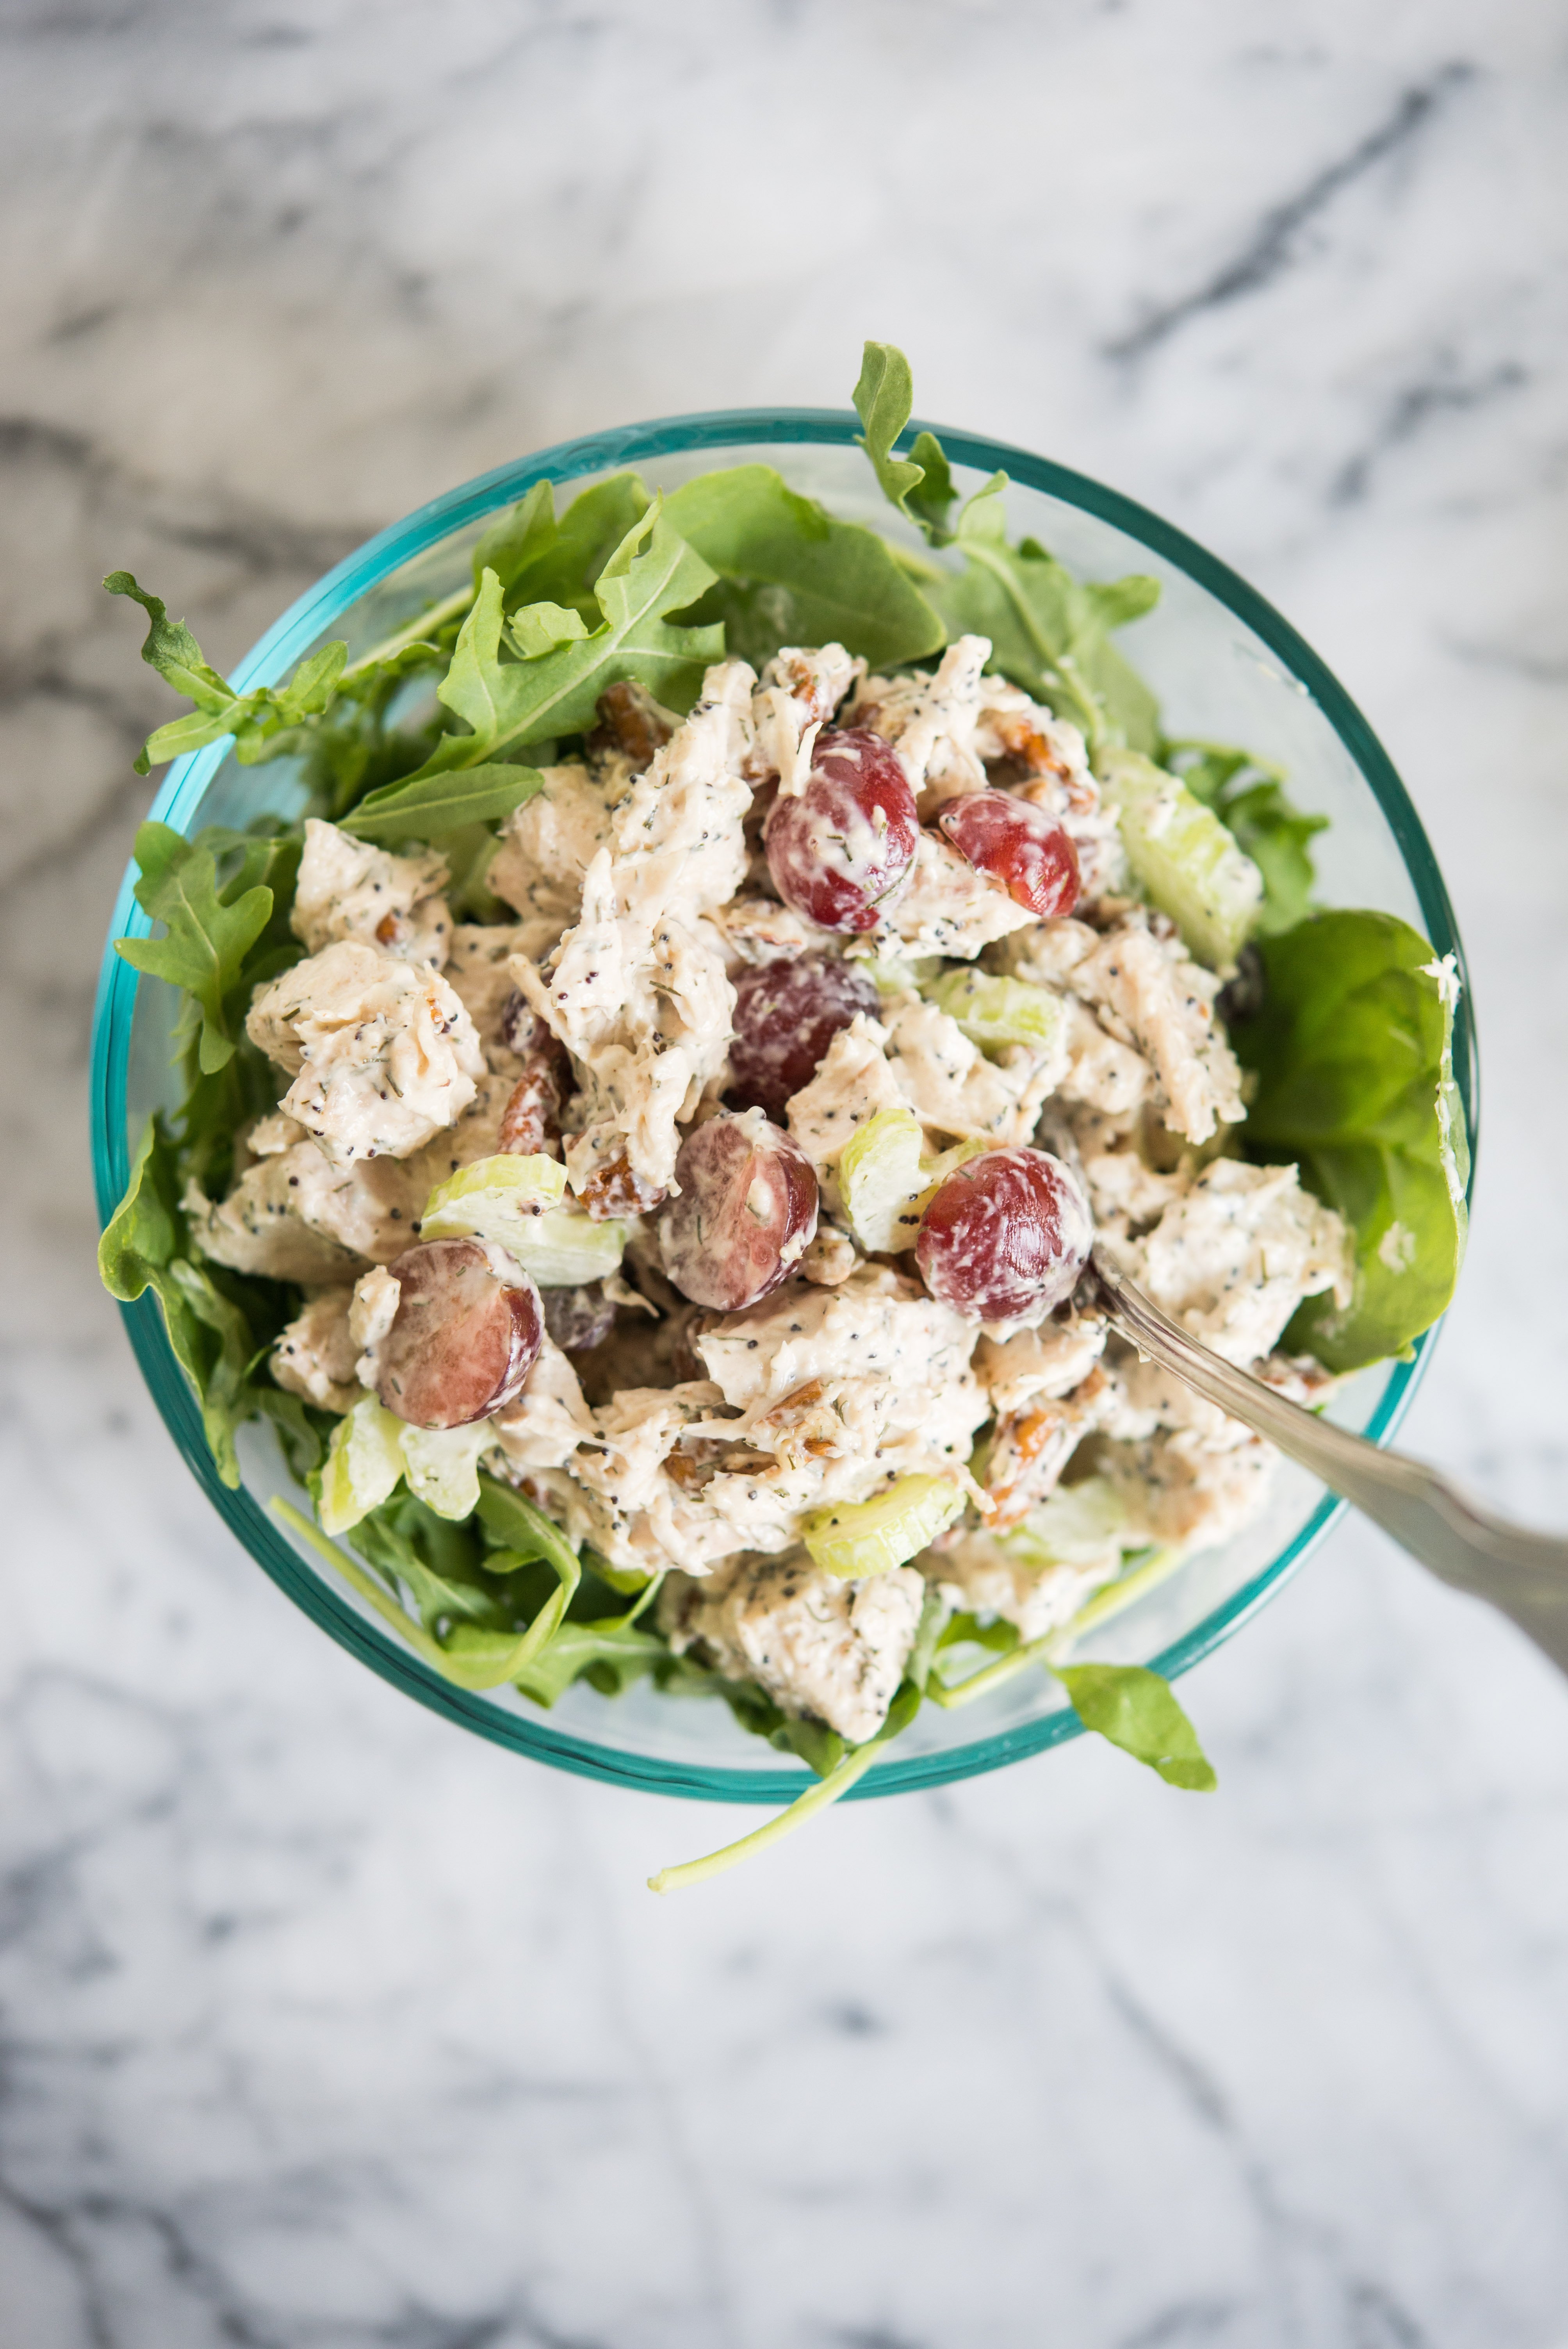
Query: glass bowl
x,y
1225,666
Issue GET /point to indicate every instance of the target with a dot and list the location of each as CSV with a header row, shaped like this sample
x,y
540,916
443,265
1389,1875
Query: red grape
x,y
577,1319
1017,844
465,1335
747,1210
1009,1232
786,1015
840,848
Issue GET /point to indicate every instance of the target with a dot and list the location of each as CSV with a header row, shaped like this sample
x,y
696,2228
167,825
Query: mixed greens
x,y
1343,1019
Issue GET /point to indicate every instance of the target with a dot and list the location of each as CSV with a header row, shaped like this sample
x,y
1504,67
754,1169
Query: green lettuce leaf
x,y
210,928
1249,797
1138,1711
254,720
1351,1050
791,574
1050,632
921,484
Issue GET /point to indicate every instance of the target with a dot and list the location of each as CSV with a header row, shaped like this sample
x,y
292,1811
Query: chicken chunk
x,y
978,1574
546,848
315,1356
384,1052
347,889
1233,1256
798,694
637,991
954,1089
820,1647
852,1083
476,972
946,907
1146,989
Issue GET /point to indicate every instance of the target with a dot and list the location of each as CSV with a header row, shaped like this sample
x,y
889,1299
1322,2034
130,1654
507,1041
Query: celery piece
x,y
1183,858
363,1463
996,1011
494,1199
518,1203
886,1180
1076,1525
565,1248
860,1538
441,1464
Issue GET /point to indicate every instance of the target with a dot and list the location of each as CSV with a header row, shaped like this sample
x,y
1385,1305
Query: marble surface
x,y
322,2026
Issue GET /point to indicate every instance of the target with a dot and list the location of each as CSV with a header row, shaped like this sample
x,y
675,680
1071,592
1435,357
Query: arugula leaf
x,y
254,720
1050,632
535,556
919,485
609,1653
210,929
1138,1711
1248,795
512,702
146,1228
212,1336
429,808
1352,1050
791,573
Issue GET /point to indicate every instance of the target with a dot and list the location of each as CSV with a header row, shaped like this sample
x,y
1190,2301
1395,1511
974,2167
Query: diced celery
x,y
518,1203
995,1011
442,1466
890,976
363,1463
494,1199
860,1538
565,1249
1184,856
1075,1526
886,1181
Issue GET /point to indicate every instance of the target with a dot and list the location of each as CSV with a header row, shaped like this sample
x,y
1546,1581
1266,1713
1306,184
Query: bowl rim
x,y
277,651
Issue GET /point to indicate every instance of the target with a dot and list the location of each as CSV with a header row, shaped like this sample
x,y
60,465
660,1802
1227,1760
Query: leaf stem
x,y
448,608
1053,1645
804,1807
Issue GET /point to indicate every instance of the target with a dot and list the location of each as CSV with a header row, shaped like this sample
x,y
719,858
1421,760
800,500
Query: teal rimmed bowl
x,y
1225,665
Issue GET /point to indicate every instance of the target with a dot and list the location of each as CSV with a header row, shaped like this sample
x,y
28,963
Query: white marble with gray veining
x,y
322,2026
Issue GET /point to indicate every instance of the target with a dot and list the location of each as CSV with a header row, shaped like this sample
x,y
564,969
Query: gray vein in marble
x,y
1272,247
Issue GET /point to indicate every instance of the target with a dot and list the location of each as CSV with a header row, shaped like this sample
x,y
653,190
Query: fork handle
x,y
1524,1575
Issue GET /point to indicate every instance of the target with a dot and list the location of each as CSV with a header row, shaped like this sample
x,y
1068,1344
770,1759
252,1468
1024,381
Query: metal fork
x,y
1523,1575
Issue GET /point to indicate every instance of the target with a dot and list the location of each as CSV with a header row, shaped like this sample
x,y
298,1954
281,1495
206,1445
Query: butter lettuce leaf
x,y
1351,1048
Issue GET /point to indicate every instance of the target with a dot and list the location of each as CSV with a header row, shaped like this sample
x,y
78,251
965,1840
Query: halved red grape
x,y
786,1014
1006,1234
1017,844
841,847
747,1210
465,1335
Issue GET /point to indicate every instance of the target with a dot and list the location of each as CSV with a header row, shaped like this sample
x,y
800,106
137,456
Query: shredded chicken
x,y
314,1355
348,889
822,1647
384,1052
